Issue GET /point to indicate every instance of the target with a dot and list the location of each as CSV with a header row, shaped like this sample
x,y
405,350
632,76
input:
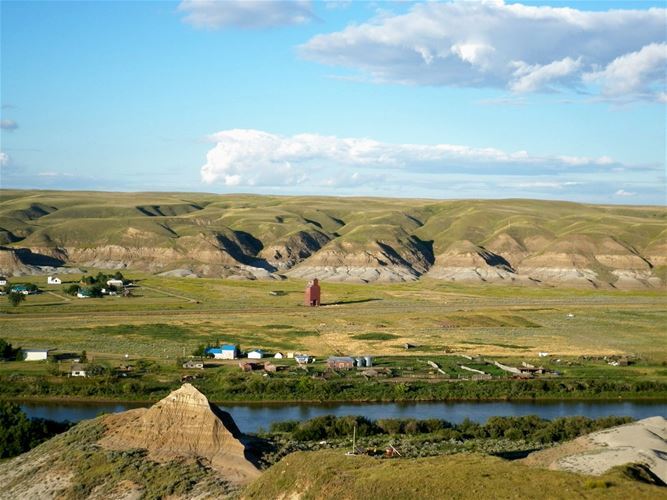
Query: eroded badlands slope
x,y
337,239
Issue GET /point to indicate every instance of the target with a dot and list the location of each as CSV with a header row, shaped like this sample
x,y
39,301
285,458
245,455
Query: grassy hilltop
x,y
338,239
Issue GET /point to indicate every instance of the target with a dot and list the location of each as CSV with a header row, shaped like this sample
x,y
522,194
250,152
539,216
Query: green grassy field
x,y
169,316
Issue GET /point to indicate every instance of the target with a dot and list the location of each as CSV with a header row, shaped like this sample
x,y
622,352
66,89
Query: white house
x,y
256,354
78,370
35,354
303,359
53,280
3,281
116,283
279,355
228,351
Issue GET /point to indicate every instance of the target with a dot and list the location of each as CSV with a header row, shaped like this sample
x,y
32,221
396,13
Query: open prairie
x,y
169,317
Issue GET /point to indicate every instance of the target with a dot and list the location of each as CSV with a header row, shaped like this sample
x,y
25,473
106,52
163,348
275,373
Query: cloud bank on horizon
x,y
242,158
614,54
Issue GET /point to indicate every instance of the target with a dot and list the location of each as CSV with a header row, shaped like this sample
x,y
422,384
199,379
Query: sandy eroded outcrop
x,y
644,441
181,447
378,262
464,261
183,425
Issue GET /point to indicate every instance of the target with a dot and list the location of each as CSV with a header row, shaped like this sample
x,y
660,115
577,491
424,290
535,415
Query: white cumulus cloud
x,y
634,73
243,157
215,14
508,46
530,78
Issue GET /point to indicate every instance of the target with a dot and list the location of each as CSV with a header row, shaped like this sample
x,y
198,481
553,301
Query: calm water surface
x,y
253,417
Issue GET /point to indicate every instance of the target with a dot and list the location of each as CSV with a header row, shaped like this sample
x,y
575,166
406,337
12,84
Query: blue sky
x,y
551,100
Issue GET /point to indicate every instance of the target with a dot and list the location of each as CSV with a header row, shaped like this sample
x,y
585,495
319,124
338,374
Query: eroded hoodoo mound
x,y
184,424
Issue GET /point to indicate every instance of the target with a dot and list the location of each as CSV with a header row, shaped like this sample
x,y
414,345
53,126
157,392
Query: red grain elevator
x,y
313,293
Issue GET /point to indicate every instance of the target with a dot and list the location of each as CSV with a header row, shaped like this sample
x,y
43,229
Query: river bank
x,y
252,417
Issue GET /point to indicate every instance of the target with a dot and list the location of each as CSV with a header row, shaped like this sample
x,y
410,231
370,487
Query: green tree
x,y
72,289
201,350
15,298
18,433
6,350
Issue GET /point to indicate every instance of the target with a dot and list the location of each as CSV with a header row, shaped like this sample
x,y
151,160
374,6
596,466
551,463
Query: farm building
x,y
302,359
340,363
84,293
116,283
21,289
192,364
53,280
3,281
256,354
78,370
35,354
312,297
278,355
227,351
249,367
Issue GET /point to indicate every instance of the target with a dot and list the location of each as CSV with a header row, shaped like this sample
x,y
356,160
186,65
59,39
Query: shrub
x,y
15,298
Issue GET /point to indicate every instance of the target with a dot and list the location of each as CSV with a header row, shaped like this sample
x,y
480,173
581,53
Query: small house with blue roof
x,y
227,351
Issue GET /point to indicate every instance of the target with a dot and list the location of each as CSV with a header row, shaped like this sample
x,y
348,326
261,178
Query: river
x,y
253,417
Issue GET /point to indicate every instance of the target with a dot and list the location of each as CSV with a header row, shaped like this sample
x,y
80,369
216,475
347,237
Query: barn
x,y
35,354
340,363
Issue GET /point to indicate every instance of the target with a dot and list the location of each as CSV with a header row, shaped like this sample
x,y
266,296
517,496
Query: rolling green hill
x,y
337,239
331,474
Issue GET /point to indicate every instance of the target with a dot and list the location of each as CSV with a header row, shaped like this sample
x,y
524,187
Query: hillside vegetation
x,y
331,474
337,239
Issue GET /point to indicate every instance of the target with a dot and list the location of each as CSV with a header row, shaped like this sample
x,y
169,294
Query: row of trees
x,y
101,278
526,428
230,386
95,284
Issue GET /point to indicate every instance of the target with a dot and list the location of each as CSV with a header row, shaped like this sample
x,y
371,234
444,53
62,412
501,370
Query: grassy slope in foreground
x,y
331,474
